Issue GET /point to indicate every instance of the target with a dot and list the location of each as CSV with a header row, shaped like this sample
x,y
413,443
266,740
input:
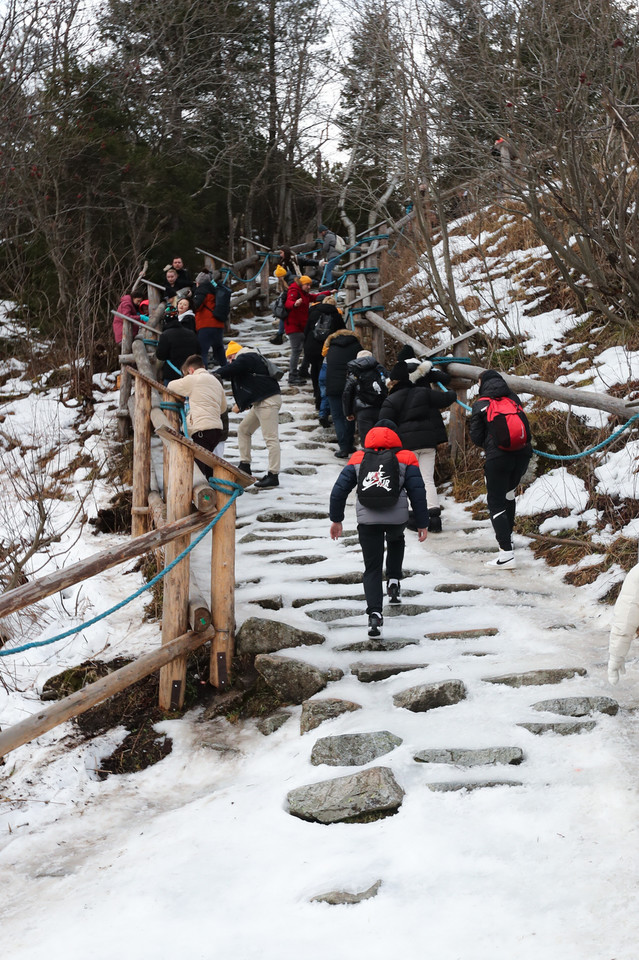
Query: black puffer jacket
x,y
249,378
415,408
313,346
343,346
365,386
491,385
176,344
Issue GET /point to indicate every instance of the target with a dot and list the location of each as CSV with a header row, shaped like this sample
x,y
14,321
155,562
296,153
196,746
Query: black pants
x,y
371,539
366,420
502,475
316,366
208,439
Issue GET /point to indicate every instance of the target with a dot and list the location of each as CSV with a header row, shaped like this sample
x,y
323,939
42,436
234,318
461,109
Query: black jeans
x,y
208,439
502,475
371,539
366,420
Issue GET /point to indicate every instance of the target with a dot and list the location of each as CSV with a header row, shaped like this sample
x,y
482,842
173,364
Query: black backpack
x,y
378,485
371,388
279,307
322,328
222,307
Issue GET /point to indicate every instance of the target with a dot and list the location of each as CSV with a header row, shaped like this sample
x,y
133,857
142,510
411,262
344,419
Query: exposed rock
x,y
450,786
353,749
427,696
300,471
578,706
369,672
315,712
269,603
223,703
407,610
376,645
341,578
290,516
537,678
471,758
456,587
268,725
462,634
308,446
286,417
257,635
369,793
292,680
328,614
338,897
563,728
299,559
477,653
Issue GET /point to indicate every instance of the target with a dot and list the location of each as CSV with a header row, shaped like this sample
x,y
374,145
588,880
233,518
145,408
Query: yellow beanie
x,y
233,348
303,279
280,271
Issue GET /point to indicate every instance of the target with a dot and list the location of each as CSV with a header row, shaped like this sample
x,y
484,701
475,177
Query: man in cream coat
x,y
207,419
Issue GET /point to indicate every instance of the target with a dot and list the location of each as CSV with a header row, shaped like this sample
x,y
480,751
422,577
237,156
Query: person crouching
x,y
386,477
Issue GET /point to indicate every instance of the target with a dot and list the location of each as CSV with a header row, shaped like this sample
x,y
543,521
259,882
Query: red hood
x,y
382,438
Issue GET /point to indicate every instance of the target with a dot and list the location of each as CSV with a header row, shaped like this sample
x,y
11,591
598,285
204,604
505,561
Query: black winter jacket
x,y
249,378
343,346
313,346
415,408
176,344
492,385
365,386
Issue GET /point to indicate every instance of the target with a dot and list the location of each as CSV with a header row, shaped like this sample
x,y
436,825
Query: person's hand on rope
x,y
616,667
235,408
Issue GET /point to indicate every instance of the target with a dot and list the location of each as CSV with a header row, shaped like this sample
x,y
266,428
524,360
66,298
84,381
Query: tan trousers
x,y
264,414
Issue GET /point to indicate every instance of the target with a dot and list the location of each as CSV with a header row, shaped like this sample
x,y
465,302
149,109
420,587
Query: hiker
x,y
210,330
330,253
625,620
207,420
386,476
129,305
416,409
499,425
339,349
185,313
258,392
364,392
176,343
324,318
284,280
183,275
170,285
298,300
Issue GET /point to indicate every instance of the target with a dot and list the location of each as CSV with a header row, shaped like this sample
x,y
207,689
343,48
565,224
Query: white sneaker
x,y
505,558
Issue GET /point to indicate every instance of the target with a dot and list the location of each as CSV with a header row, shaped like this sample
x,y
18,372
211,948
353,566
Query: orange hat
x,y
303,279
233,348
280,271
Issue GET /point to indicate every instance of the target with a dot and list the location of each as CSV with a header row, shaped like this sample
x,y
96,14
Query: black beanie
x,y
400,371
406,353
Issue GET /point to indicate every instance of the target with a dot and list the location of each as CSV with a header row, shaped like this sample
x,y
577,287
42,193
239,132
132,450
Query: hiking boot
x,y
375,624
505,558
278,340
393,590
342,454
245,467
270,480
324,422
435,520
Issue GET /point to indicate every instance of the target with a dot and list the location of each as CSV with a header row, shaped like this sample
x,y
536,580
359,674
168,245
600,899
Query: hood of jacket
x,y
360,366
382,438
493,385
342,336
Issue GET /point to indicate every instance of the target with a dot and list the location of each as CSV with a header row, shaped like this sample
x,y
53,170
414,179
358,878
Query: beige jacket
x,y
207,401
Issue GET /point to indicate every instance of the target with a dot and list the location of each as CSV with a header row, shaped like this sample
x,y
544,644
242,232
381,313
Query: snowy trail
x,y
198,855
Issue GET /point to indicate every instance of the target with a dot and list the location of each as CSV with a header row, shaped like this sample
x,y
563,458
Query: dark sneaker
x,y
270,480
393,590
245,467
277,340
324,422
375,624
342,454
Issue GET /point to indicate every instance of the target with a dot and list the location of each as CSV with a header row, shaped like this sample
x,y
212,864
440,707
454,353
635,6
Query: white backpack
x,y
340,244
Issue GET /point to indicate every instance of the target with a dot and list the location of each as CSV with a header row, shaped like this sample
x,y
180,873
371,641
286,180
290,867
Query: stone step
x,y
429,696
376,645
462,757
369,794
269,725
578,706
453,786
371,672
353,749
563,728
462,634
290,516
537,678
315,712
259,635
340,897
293,681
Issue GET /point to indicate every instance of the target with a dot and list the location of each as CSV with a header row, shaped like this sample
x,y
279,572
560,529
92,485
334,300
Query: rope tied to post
x,y
229,487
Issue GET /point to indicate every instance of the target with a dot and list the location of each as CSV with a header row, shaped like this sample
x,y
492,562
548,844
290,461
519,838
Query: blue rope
x,y
179,408
224,486
229,272
379,236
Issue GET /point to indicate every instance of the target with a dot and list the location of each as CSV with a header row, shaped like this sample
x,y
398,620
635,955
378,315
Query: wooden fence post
x,y
126,382
223,589
457,423
173,419
265,284
251,285
141,459
175,607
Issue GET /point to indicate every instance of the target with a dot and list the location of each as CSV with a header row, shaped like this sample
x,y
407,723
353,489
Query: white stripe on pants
x,y
264,414
426,459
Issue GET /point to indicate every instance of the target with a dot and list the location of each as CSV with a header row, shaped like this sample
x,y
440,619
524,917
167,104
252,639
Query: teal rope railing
x,y
379,236
223,486
178,408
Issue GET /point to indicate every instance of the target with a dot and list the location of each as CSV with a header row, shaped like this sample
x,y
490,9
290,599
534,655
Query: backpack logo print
x,y
377,478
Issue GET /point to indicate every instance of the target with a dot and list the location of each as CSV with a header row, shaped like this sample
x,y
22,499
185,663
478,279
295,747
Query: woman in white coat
x,y
625,621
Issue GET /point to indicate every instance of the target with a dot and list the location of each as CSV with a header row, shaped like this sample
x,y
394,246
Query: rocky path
x,y
466,786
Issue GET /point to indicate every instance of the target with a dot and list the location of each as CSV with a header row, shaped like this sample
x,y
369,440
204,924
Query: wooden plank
x,y
445,348
370,293
213,256
223,590
89,696
206,456
141,458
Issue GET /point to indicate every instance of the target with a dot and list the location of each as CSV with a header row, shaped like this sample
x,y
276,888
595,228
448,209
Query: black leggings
x,y
502,475
371,539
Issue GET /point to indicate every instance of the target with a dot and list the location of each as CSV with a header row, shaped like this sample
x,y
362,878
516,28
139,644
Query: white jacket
x,y
207,400
625,621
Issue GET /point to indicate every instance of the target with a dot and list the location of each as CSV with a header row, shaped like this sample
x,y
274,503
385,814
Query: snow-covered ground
x,y
198,855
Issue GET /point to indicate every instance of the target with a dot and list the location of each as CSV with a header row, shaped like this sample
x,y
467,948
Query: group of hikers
x,y
397,413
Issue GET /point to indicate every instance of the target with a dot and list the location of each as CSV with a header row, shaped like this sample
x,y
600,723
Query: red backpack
x,y
507,423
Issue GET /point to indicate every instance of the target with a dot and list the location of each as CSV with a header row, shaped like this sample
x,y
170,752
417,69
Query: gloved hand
x,y
616,666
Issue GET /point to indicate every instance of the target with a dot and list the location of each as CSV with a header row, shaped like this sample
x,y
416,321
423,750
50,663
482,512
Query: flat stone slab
x,y
462,634
456,587
307,445
268,725
353,749
315,712
258,635
578,706
564,728
369,793
291,516
339,897
300,471
341,578
471,758
370,672
453,786
376,645
428,696
329,614
537,678
269,603
293,680
406,610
